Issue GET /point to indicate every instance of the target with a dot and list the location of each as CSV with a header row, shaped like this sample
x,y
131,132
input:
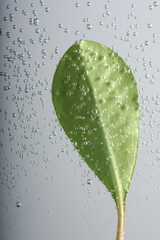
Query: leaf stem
x,y
121,219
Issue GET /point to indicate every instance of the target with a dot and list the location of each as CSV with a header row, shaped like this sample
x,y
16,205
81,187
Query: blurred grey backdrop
x,y
46,190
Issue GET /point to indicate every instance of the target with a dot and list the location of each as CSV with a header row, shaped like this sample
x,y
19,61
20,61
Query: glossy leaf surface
x,y
96,101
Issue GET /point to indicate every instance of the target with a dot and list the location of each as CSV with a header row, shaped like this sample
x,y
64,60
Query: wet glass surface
x,y
46,190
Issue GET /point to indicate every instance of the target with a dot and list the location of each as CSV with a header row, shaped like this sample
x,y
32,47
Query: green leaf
x,y
96,101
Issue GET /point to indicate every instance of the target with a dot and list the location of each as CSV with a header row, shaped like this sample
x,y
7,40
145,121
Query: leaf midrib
x,y
118,189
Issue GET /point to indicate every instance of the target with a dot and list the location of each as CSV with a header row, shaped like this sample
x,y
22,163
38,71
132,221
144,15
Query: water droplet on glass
x,y
5,18
37,30
149,25
18,204
31,21
155,4
150,7
89,181
89,26
47,9
146,43
88,4
36,21
77,33
8,34
56,50
66,30
108,13
1,31
34,13
60,25
128,33
24,12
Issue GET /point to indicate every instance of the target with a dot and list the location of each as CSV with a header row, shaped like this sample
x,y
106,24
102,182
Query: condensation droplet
x,y
47,9
89,26
56,50
60,25
150,7
36,21
135,34
8,34
77,33
149,25
66,30
18,204
88,4
89,181
1,31
146,43
155,4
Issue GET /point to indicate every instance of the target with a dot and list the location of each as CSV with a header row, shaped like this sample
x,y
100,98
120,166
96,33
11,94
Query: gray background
x,y
39,168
